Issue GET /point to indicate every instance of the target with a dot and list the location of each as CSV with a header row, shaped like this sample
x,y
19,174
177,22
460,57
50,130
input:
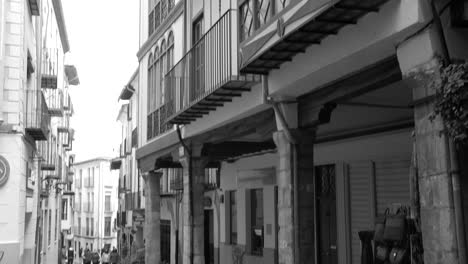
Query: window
x,y
91,183
156,80
56,224
88,202
88,178
79,202
79,226
49,228
92,226
150,83
80,180
107,226
92,202
163,68
233,217
256,230
170,61
64,209
108,203
87,226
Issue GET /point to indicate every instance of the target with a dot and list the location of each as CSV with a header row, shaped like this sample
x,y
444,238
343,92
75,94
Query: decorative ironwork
x,y
208,74
37,115
246,20
50,62
325,176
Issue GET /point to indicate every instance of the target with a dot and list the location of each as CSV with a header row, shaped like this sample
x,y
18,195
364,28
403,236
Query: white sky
x,y
103,37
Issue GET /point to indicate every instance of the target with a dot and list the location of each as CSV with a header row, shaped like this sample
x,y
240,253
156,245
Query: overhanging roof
x,y
58,10
72,75
115,164
126,92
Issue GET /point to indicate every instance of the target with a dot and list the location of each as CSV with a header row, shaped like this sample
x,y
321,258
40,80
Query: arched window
x,y
163,67
170,64
150,83
170,51
157,77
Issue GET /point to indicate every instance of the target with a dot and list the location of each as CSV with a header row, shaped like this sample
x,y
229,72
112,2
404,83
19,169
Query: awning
x,y
72,75
115,164
127,92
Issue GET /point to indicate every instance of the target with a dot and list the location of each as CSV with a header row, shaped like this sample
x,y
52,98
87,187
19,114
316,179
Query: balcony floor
x,y
345,12
211,100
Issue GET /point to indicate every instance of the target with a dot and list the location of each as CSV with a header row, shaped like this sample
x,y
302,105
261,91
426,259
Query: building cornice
x,y
58,10
159,32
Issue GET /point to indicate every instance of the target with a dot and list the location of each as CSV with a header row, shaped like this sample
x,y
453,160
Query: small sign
x,y
4,170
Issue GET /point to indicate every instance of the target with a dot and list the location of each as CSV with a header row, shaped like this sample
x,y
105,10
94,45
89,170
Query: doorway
x,y
325,200
209,237
198,46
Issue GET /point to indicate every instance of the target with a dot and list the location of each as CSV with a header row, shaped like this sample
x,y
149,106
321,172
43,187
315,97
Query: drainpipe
x,y
452,155
187,149
267,99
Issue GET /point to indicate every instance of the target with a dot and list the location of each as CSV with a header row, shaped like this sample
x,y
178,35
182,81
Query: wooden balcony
x,y
50,65
208,75
37,115
157,122
269,39
47,152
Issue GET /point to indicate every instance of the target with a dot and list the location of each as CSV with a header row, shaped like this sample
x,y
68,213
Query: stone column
x,y
435,186
152,218
197,167
295,159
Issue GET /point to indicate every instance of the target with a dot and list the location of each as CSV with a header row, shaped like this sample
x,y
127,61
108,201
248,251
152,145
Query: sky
x,y
103,36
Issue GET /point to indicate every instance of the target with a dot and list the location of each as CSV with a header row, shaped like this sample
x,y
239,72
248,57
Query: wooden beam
x,y
338,21
218,100
210,104
229,149
302,41
197,108
357,8
319,31
241,89
227,94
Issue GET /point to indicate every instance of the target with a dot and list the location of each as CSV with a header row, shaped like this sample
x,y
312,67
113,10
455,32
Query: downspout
x,y
452,155
275,105
188,150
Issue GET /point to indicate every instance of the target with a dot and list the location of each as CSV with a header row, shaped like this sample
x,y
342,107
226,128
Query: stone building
x,y
95,206
35,131
294,124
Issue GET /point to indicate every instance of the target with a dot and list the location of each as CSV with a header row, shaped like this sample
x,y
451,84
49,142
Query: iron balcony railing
x,y
37,115
47,152
208,75
55,101
171,181
50,68
211,178
157,122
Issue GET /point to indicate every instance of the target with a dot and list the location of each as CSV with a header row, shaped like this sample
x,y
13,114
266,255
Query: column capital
x,y
301,136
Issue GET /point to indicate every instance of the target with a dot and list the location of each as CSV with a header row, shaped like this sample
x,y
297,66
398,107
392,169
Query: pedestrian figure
x,y
105,257
95,257
114,256
87,256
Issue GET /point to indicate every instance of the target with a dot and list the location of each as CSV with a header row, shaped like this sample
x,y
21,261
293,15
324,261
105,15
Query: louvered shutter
x,y
360,174
392,183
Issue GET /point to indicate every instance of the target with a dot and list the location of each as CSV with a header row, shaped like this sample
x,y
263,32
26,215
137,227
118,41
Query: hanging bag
x,y
398,256
380,227
395,227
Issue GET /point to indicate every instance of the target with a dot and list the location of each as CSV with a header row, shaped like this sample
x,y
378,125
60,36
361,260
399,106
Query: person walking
x,y
95,257
114,256
87,256
105,258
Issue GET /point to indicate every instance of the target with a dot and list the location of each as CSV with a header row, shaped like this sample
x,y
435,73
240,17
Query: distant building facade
x,y
95,206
